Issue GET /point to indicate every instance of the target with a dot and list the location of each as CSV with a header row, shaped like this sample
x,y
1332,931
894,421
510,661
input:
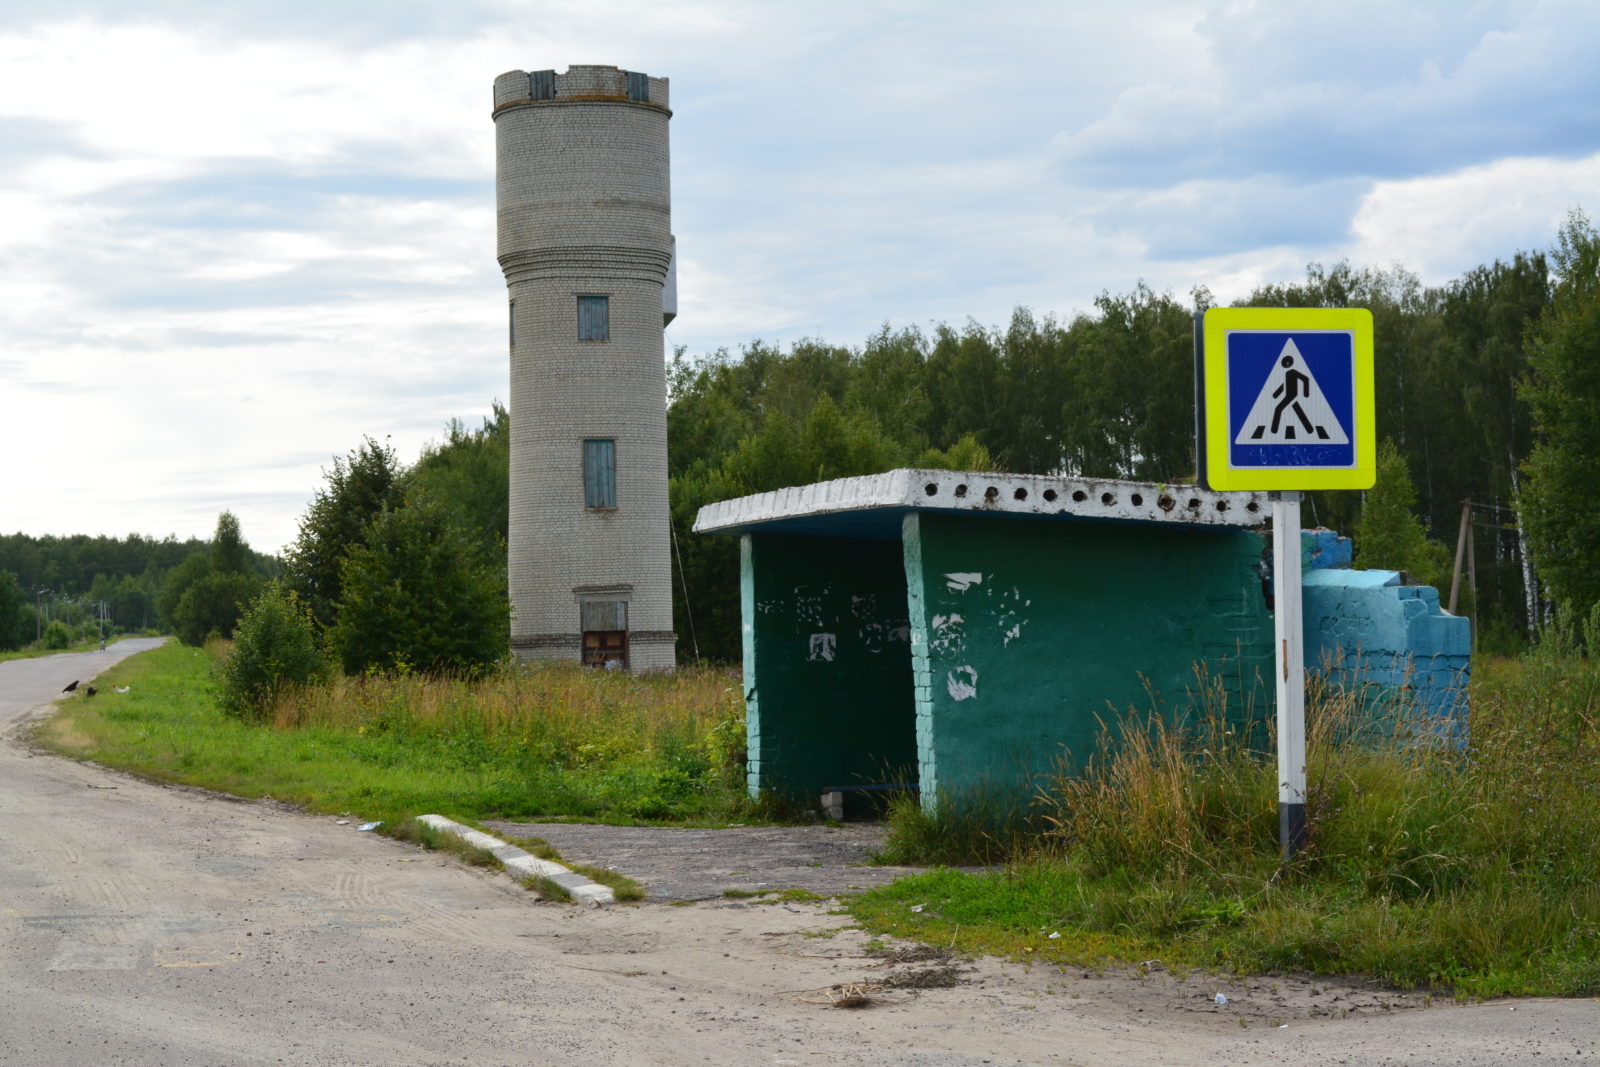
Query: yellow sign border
x,y
1218,323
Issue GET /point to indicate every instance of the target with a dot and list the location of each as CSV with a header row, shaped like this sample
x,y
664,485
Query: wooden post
x,y
1462,538
1472,584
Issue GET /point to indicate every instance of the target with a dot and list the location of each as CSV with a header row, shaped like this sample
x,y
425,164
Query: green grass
x,y
793,895
526,744
1470,871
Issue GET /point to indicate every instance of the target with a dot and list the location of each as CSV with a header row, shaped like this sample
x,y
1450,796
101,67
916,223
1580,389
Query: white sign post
x,y
1285,399
1291,673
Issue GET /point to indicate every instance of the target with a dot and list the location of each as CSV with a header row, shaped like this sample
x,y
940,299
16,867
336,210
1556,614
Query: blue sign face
x,y
1291,398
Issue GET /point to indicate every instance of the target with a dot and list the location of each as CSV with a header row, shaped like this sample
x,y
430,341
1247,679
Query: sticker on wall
x,y
822,647
962,682
961,581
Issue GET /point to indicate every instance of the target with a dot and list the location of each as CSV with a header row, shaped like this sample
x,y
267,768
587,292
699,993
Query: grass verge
x,y
1471,870
524,744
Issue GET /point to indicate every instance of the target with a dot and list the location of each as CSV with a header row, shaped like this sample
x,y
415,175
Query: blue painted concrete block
x,y
1363,629
1324,550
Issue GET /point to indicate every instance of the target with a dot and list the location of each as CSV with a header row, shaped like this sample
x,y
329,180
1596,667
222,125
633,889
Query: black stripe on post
x,y
1291,829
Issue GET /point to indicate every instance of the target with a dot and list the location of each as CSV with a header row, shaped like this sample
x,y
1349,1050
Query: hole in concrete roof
x,y
1252,507
1079,495
1050,495
932,489
1166,503
961,490
991,493
1194,502
1138,500
1222,505
1107,499
1020,494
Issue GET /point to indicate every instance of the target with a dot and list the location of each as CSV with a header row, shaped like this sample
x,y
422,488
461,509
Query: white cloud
x,y
235,238
1443,226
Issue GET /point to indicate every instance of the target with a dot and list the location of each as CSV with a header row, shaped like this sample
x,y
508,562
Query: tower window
x,y
638,86
599,473
512,326
594,318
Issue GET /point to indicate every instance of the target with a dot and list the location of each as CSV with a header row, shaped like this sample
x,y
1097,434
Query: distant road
x,y
27,683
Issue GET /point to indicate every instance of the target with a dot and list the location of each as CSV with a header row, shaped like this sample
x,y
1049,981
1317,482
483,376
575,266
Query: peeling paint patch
x,y
808,604
822,647
961,581
962,682
945,634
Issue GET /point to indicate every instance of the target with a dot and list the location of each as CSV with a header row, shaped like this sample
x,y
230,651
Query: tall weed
x,y
1470,867
569,740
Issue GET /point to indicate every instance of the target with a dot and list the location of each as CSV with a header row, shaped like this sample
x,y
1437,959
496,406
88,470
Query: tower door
x,y
605,633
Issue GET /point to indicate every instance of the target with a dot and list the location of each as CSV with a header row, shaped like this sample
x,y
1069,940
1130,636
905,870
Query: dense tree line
x,y
1467,386
67,579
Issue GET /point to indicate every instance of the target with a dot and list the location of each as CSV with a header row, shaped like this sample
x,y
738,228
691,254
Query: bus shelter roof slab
x,y
871,506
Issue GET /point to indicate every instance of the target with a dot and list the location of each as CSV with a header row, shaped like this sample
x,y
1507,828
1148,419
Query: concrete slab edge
x,y
524,864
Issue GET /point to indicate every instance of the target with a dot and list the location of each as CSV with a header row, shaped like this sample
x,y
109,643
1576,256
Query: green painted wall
x,y
1023,632
827,663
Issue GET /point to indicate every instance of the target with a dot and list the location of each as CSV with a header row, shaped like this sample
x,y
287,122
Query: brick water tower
x,y
585,241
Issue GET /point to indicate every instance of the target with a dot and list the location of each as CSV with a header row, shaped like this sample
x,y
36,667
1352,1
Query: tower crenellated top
x,y
580,84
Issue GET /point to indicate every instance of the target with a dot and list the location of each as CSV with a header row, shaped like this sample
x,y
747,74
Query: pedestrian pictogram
x,y
1286,399
1291,407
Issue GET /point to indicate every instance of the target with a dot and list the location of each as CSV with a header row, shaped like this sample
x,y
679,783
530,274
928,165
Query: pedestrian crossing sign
x,y
1286,399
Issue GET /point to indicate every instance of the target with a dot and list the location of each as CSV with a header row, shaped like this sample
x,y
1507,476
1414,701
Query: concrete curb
x,y
522,864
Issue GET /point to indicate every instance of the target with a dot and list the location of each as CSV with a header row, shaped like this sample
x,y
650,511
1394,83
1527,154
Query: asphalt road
x,y
149,925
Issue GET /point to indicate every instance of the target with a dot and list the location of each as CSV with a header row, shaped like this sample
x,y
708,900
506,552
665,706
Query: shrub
x,y
417,593
56,635
276,648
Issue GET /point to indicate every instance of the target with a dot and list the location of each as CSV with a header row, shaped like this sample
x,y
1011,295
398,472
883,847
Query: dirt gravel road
x,y
147,925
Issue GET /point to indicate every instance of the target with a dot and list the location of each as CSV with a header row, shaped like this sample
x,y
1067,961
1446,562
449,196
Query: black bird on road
x,y
71,686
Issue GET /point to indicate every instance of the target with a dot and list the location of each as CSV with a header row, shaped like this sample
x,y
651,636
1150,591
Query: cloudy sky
x,y
235,237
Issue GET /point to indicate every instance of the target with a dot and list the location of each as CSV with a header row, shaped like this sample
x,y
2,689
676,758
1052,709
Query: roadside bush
x,y
212,605
275,649
419,594
56,635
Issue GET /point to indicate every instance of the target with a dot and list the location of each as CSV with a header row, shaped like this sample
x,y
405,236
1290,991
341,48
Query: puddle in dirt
x,y
678,864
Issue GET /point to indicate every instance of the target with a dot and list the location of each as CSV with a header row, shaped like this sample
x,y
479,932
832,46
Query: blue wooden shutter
x,y
594,318
638,87
599,473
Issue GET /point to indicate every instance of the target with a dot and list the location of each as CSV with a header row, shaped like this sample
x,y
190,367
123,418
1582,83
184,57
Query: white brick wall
x,y
583,202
